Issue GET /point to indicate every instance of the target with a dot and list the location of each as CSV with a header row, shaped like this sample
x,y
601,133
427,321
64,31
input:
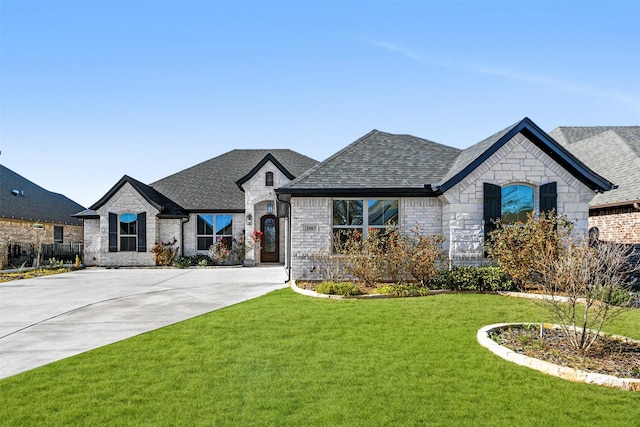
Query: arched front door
x,y
269,248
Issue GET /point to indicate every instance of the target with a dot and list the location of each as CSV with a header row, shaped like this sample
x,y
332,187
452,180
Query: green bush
x,y
182,262
339,288
482,279
400,290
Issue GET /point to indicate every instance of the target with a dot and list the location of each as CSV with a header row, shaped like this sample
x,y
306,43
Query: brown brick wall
x,y
620,228
23,232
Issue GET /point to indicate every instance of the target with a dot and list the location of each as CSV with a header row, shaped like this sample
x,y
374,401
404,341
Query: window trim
x,y
268,179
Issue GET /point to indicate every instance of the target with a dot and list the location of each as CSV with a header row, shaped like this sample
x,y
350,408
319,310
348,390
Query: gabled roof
x,y
167,208
378,163
475,155
31,202
613,152
211,185
268,158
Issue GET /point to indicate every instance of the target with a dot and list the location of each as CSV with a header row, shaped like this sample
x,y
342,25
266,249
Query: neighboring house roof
x,y
612,151
24,200
378,163
167,208
213,185
381,163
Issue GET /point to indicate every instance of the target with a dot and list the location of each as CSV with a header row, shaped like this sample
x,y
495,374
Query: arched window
x,y
268,179
517,203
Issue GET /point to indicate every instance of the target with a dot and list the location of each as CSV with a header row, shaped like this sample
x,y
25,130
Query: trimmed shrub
x,y
182,262
339,288
400,290
481,279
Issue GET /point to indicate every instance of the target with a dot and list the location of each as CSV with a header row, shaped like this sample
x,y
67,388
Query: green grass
x,y
289,360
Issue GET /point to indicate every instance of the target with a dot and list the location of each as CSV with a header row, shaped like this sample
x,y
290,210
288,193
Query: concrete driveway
x,y
50,318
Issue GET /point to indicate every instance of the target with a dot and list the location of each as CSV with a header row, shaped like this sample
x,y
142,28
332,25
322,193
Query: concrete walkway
x,y
50,318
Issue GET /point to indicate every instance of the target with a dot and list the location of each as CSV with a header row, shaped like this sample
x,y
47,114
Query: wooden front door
x,y
269,247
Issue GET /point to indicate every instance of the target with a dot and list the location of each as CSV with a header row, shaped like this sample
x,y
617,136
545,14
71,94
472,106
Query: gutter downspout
x,y
183,222
288,242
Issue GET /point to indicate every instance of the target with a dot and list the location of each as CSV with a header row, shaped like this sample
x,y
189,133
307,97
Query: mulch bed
x,y
607,355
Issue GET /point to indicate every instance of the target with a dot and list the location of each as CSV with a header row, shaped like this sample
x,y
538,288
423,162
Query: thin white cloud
x,y
616,95
399,49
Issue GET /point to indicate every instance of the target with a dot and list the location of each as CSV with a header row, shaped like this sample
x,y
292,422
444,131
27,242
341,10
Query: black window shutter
x,y
142,232
492,207
549,197
113,232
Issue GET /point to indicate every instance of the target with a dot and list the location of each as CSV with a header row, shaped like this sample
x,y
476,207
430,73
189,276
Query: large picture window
x,y
360,215
214,228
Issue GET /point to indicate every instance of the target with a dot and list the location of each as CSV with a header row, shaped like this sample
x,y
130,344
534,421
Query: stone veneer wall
x,y
93,243
619,228
518,161
257,197
312,230
126,200
170,229
311,234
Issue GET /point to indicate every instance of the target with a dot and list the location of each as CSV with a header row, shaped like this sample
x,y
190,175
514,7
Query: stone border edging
x,y
309,293
563,372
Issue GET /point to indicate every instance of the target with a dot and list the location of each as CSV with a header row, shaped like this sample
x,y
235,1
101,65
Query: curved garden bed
x,y
519,347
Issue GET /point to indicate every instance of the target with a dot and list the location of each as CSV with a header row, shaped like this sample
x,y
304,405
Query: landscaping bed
x,y
7,277
608,355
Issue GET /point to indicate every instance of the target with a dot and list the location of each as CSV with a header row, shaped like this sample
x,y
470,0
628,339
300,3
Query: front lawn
x,y
289,360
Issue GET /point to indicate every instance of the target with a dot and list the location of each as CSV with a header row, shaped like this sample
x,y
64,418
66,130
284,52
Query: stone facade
x,y
126,200
519,161
258,198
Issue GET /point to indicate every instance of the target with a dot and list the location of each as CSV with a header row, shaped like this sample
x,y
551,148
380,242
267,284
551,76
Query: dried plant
x,y
585,283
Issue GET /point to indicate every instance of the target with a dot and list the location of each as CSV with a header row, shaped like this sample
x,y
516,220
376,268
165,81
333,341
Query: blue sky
x,y
93,90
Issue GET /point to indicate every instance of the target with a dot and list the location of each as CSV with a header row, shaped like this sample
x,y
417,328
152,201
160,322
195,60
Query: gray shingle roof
x,y
211,185
34,203
474,152
404,163
166,206
611,151
380,160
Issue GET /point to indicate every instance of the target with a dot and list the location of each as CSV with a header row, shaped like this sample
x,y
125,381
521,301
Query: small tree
x,y
585,283
587,287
